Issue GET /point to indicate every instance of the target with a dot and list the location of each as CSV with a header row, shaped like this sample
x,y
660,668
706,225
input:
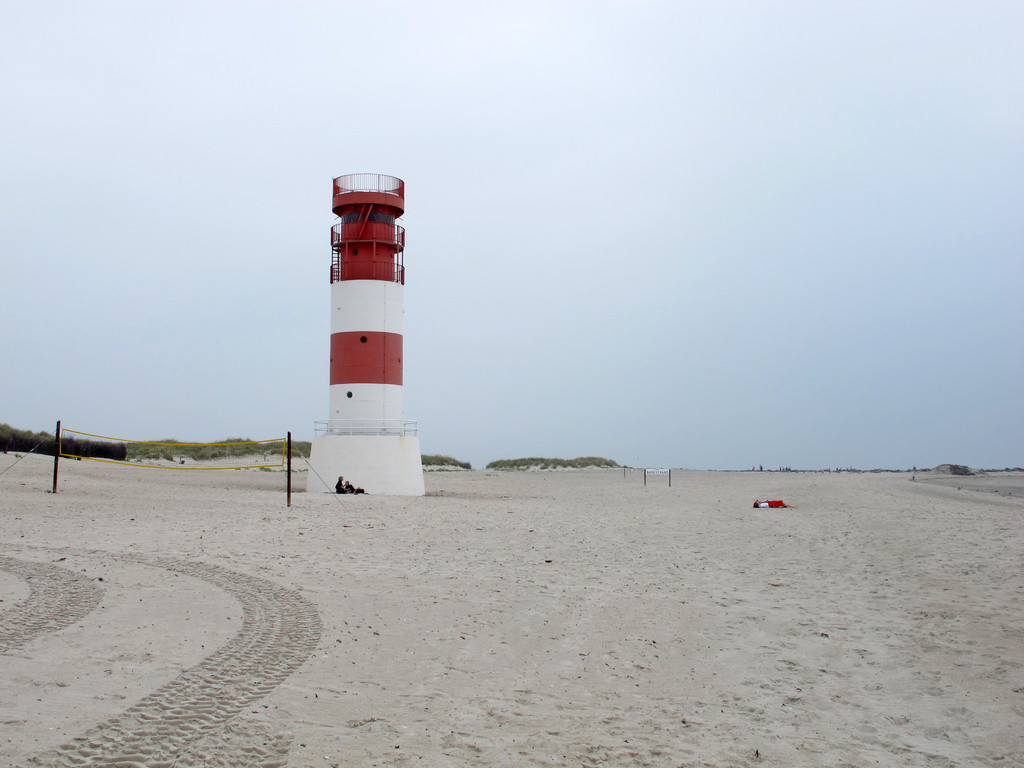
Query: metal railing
x,y
364,231
388,427
390,272
369,182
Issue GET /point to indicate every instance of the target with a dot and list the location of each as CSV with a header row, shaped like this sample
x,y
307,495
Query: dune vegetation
x,y
581,462
435,461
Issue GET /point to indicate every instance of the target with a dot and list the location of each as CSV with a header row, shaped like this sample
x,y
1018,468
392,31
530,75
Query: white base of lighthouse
x,y
380,464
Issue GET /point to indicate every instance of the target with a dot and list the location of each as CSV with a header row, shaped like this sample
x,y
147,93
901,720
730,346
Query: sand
x,y
155,617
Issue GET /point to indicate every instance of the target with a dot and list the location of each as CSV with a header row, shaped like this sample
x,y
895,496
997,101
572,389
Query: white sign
x,y
656,471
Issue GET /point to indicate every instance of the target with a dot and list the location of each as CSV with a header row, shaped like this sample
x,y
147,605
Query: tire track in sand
x,y
57,599
191,721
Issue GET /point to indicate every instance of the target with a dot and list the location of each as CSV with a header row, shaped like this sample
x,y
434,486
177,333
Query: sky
x,y
707,235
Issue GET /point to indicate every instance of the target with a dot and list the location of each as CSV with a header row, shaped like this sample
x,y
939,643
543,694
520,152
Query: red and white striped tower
x,y
366,438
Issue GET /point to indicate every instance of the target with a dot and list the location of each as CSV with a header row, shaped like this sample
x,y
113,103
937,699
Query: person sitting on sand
x,y
344,486
771,504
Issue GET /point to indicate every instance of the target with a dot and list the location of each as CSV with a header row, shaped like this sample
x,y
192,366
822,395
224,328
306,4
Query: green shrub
x,y
434,460
172,450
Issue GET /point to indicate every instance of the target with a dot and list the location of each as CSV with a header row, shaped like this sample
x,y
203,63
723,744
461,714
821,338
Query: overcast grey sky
x,y
689,234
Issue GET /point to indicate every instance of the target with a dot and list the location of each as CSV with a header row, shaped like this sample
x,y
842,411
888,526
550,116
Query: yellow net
x,y
233,453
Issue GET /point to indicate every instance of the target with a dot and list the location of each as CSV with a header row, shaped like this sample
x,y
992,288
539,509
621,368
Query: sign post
x,y
56,455
658,472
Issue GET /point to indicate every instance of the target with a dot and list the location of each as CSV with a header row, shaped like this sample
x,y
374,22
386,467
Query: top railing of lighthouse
x,y
376,183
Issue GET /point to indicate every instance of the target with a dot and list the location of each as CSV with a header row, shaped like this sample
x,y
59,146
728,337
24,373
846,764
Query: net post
x,y
670,477
645,477
289,469
56,455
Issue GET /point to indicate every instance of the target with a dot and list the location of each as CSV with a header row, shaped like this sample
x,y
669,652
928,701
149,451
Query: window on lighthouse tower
x,y
380,217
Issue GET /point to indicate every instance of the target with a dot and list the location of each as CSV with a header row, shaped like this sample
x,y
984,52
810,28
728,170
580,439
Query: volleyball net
x,y
233,453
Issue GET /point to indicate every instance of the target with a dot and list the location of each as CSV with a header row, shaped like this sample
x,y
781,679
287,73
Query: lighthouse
x,y
366,438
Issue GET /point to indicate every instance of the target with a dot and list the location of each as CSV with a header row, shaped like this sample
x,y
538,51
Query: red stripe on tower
x,y
367,357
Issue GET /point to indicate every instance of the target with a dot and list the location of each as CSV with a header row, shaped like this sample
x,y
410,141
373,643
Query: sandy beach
x,y
156,617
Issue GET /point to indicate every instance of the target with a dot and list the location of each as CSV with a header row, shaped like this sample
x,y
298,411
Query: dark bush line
x,y
43,443
23,441
90,449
